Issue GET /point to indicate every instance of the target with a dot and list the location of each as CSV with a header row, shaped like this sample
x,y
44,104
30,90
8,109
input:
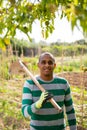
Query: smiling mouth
x,y
47,70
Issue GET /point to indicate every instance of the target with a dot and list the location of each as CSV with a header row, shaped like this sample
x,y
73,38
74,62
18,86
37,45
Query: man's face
x,y
46,65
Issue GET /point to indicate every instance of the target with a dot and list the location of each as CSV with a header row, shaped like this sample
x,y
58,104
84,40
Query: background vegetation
x,y
68,59
21,14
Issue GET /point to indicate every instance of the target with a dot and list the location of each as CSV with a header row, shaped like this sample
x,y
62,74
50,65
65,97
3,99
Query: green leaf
x,y
76,2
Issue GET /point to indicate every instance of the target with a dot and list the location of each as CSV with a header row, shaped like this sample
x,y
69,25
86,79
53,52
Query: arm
x,y
28,107
70,109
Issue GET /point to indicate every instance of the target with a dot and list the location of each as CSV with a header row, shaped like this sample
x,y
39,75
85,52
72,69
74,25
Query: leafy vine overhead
x,y
21,14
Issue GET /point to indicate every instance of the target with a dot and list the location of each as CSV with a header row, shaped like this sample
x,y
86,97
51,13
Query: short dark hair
x,y
47,53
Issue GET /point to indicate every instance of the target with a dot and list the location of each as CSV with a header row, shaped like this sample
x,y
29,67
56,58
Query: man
x,y
36,104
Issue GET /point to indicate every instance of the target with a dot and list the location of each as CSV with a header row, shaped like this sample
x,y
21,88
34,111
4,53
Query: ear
x,y
54,65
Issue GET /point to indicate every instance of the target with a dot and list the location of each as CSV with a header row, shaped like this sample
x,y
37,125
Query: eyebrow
x,y
49,62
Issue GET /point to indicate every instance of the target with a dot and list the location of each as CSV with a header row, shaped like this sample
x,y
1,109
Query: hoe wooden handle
x,y
39,86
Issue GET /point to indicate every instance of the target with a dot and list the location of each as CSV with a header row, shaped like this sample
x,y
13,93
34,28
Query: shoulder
x,y
60,79
30,81
28,84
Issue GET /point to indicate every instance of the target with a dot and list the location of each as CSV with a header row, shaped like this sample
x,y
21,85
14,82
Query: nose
x,y
47,63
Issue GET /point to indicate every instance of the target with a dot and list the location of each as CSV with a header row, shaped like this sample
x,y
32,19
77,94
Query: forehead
x,y
46,57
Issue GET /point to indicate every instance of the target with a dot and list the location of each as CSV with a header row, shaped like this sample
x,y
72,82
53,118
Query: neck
x,y
46,78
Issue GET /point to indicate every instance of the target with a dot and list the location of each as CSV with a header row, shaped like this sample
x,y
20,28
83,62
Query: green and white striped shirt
x,y
48,118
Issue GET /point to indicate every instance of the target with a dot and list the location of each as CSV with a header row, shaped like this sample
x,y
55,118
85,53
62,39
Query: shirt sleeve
x,y
28,106
70,111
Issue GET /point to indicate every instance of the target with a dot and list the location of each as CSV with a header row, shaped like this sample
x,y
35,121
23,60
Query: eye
x,y
43,62
50,62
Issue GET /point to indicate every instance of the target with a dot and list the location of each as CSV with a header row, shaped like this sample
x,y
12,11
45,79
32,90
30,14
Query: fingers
x,y
47,96
43,99
44,95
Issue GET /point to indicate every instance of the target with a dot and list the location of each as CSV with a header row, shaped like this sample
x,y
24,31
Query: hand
x,y
43,99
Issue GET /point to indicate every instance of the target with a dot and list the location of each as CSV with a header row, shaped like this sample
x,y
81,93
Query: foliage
x,y
21,14
11,117
19,43
4,71
66,50
80,104
55,48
